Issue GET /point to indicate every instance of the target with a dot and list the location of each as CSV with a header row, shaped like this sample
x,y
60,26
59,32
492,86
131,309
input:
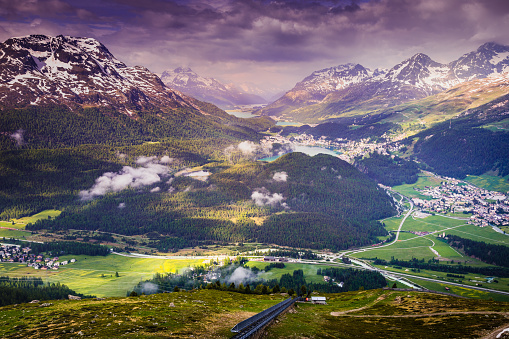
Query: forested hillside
x,y
473,143
59,126
300,201
387,170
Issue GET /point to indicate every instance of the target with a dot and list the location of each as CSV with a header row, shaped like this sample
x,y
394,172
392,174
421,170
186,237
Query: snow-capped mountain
x,y
319,84
39,69
208,89
353,87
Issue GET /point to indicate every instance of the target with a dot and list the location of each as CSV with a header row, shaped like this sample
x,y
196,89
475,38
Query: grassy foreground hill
x,y
212,313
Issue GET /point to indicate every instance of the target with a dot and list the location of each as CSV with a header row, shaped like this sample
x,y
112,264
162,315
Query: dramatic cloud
x,y
266,42
262,197
280,176
249,150
18,137
248,147
150,173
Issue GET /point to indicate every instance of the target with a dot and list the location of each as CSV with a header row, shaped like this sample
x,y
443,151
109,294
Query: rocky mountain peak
x,y
40,69
187,81
183,70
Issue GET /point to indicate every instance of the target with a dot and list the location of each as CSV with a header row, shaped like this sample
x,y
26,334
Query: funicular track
x,y
249,327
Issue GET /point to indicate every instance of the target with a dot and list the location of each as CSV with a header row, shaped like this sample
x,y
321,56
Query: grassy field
x,y
425,179
490,182
7,234
43,215
461,291
276,273
95,275
411,246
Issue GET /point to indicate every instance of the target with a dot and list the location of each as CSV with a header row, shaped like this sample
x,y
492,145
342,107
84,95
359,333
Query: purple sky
x,y
268,43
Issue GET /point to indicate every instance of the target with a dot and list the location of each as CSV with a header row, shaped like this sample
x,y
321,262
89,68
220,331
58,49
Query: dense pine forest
x,y
316,206
293,283
387,170
26,289
463,146
489,253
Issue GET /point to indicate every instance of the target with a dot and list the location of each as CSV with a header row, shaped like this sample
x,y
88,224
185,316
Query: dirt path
x,y
498,331
380,298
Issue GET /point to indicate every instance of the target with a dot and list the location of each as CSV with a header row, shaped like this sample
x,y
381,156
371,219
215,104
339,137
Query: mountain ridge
x,y
42,70
187,81
414,78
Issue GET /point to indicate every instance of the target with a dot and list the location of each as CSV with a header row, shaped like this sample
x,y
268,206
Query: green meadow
x,y
490,182
42,215
425,179
411,246
276,273
95,275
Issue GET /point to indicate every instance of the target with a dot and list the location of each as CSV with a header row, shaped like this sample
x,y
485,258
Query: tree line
x,y
26,289
489,253
434,265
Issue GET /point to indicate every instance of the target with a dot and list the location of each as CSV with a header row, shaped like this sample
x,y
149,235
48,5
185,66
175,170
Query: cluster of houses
x,y
347,149
486,207
273,259
22,255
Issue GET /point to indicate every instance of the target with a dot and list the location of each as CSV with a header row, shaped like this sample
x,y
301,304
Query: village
x,y
347,150
455,196
22,255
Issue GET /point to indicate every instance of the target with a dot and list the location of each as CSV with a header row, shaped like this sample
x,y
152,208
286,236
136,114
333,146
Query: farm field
x,y
8,233
410,245
461,291
95,275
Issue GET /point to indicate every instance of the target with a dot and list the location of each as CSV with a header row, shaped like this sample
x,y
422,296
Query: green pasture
x,y
486,234
411,246
425,179
42,215
502,284
95,275
392,224
445,250
10,224
7,234
276,273
490,182
461,291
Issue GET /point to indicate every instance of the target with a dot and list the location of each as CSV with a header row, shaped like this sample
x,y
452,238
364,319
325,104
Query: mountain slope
x,y
65,91
298,201
39,69
208,89
415,78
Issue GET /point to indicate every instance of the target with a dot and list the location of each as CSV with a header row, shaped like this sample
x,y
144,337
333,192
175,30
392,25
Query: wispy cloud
x,y
150,172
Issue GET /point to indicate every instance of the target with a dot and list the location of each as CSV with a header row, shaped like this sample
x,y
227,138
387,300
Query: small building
x,y
319,300
269,258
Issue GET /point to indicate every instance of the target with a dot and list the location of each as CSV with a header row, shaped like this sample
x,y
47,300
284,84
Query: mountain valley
x,y
153,174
